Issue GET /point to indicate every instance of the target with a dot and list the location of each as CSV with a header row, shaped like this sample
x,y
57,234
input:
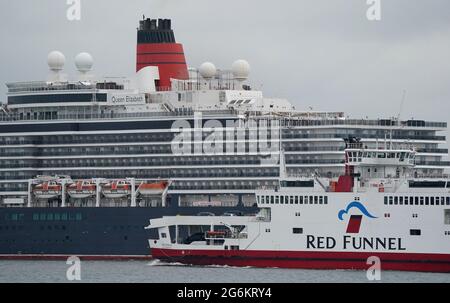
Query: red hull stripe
x,y
309,260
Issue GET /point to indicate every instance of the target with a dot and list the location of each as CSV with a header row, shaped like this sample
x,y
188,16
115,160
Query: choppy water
x,y
155,271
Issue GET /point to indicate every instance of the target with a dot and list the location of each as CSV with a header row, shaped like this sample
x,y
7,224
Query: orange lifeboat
x,y
116,189
155,188
81,189
47,190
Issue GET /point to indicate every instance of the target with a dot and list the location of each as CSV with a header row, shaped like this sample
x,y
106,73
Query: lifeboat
x,y
155,188
81,189
47,190
117,189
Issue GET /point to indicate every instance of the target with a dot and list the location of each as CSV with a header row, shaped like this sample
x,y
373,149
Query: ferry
x,y
378,209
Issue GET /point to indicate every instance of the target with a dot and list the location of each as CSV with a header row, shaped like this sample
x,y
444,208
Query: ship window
x,y
297,230
300,200
395,200
35,217
306,199
325,200
64,217
57,217
296,200
391,200
406,200
447,216
78,217
320,200
50,217
42,217
427,200
291,199
416,200
271,199
316,199
401,200
267,230
311,199
431,200
277,199
421,200
385,200
163,235
415,232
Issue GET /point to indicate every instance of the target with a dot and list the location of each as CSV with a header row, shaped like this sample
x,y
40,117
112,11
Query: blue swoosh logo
x,y
355,204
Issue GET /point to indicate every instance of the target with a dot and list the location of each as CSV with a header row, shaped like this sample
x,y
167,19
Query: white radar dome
x,y
56,61
207,70
84,62
240,69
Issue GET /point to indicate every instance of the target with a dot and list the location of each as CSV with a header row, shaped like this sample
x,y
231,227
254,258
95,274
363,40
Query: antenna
x,y
401,106
398,116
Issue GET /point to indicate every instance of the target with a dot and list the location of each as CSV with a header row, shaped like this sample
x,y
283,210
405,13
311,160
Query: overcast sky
x,y
319,53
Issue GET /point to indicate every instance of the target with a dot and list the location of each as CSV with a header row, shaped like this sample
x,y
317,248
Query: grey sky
x,y
319,53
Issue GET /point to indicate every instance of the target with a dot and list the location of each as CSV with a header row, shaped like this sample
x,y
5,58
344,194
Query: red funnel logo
x,y
354,224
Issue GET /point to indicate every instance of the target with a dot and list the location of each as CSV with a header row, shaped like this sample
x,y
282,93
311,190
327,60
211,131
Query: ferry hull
x,y
419,262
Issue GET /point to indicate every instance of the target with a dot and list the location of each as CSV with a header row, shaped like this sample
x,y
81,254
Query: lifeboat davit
x,y
82,189
47,190
154,188
117,189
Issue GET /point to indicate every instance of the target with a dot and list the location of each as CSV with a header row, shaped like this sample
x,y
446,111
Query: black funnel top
x,y
155,31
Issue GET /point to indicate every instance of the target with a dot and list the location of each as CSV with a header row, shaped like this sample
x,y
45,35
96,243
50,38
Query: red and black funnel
x,y
156,46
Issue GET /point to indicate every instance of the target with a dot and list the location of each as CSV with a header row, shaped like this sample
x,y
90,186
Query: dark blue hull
x,y
115,231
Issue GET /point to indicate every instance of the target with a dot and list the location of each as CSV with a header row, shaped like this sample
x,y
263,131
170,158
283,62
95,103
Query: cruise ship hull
x,y
95,233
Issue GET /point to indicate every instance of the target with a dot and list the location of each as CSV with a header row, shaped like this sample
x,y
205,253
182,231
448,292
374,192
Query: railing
x,y
339,136
98,115
379,122
433,163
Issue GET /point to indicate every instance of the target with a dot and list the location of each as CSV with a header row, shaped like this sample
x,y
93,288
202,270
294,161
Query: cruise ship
x,y
86,162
